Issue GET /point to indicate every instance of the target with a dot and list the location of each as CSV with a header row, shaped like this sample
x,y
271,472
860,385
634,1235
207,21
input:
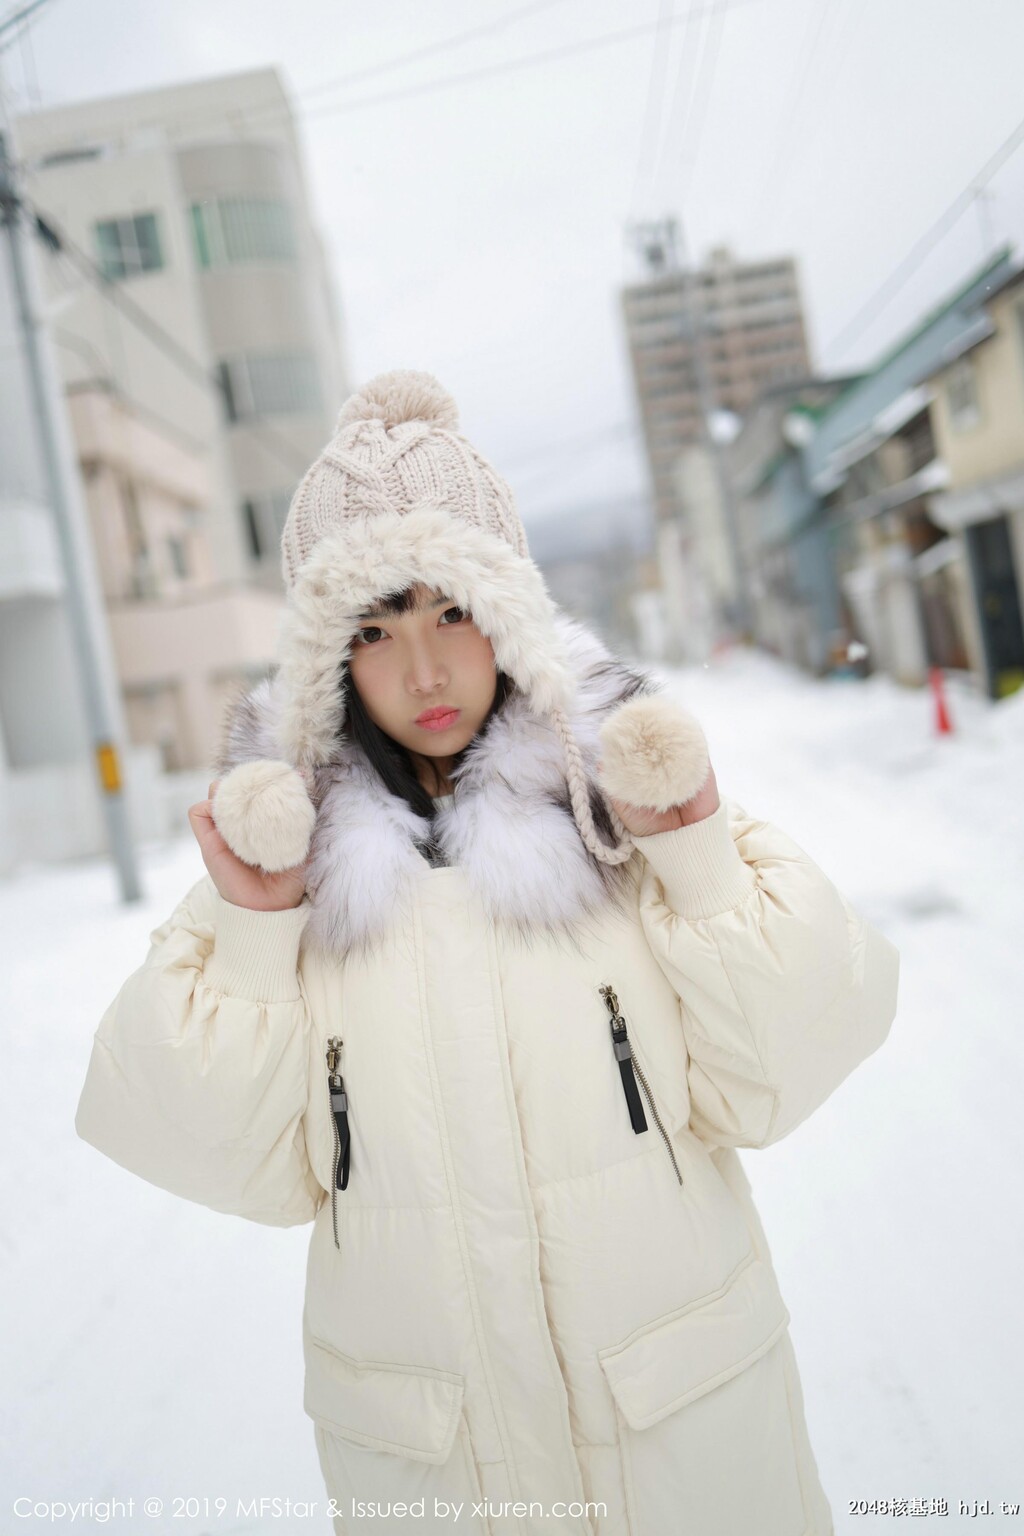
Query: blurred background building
x,y
855,523
186,294
745,316
704,342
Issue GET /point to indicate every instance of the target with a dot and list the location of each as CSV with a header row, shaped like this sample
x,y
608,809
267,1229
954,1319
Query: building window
x,y
128,247
263,517
962,395
251,519
179,557
275,384
227,230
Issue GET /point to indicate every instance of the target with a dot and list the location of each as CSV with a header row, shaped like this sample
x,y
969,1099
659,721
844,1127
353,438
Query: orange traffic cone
x,y
943,724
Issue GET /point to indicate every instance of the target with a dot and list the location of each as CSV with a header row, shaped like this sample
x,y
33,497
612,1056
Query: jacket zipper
x,y
628,1064
339,1120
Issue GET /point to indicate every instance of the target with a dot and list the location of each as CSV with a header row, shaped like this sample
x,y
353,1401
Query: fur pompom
x,y
404,394
262,811
654,753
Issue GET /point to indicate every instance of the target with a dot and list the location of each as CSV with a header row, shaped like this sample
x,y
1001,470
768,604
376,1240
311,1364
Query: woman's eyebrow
x,y
388,610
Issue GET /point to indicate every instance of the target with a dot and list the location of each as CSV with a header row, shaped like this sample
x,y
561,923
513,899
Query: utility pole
x,y
663,244
85,609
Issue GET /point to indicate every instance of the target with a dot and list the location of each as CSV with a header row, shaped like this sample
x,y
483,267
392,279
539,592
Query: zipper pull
x,y
624,1056
339,1111
339,1114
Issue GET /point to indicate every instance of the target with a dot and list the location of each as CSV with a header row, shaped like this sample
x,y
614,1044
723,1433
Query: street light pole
x,y
85,610
707,403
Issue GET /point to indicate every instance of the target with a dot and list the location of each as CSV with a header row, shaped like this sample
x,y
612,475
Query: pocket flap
x,y
670,1362
408,1410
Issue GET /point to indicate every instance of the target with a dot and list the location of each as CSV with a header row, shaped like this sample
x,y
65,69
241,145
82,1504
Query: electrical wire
x,y
294,108
787,136
15,19
701,99
647,154
775,182
508,66
400,60
886,292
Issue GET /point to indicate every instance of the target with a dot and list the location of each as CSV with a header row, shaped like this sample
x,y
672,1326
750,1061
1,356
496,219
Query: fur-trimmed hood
x,y
510,825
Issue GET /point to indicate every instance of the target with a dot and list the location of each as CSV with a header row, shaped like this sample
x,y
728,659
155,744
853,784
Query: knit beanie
x,y
399,496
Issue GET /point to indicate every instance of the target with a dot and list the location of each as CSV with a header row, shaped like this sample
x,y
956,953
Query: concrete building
x,y
978,421
746,316
192,199
877,462
784,547
50,804
202,374
185,641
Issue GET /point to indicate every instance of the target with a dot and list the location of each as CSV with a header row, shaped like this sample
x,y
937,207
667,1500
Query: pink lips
x,y
437,719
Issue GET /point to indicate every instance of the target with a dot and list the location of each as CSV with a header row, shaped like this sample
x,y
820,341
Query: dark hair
x,y
388,758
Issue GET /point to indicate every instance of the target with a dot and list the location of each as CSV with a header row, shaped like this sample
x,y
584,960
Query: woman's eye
x,y
459,614
373,630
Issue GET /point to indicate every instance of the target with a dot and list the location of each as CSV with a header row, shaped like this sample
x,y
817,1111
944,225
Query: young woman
x,y
487,983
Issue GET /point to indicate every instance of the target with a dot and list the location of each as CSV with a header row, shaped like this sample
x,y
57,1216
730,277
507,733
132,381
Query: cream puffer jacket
x,y
539,1297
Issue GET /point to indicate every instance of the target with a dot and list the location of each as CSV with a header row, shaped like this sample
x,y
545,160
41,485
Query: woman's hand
x,y
236,881
642,821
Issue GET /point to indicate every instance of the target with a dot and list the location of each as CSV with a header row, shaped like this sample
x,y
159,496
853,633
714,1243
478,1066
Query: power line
x,y
794,102
883,295
15,19
647,155
701,100
776,180
508,66
295,108
677,95
285,452
687,98
399,60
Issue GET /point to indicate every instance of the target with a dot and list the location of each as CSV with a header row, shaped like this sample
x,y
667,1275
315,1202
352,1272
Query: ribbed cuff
x,y
256,954
699,866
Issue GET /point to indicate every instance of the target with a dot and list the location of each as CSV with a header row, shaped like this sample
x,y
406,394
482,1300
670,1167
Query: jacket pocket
x,y
392,1433
704,1420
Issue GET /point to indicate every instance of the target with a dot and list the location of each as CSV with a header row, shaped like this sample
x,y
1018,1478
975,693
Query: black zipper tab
x,y
624,1057
627,1064
339,1119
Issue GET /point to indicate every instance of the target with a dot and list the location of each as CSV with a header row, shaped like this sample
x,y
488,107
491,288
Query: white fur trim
x,y
655,754
264,814
509,828
369,557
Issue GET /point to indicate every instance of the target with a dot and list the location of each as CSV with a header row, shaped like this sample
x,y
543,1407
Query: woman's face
x,y
428,664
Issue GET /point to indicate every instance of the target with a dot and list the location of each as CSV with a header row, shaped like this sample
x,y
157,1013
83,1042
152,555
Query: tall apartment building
x,y
746,316
193,200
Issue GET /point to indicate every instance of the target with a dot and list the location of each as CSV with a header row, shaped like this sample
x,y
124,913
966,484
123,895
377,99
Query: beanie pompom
x,y
404,394
263,812
654,754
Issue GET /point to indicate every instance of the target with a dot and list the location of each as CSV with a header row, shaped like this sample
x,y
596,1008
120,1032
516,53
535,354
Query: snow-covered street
x,y
156,1352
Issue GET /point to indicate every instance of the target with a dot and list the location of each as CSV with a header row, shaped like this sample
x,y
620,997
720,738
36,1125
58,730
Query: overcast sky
x,y
478,230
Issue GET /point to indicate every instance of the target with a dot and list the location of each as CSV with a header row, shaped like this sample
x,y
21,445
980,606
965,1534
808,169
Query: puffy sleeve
x,y
198,1078
783,988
